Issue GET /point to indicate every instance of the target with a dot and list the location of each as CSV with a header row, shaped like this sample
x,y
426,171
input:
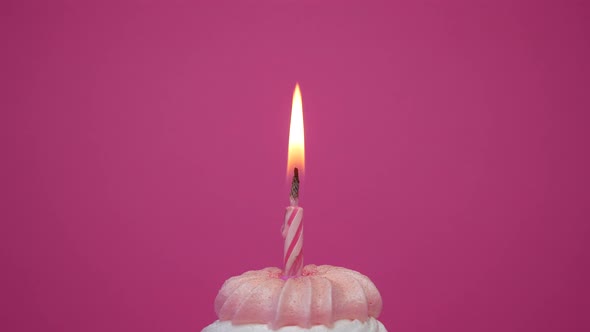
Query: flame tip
x,y
296,157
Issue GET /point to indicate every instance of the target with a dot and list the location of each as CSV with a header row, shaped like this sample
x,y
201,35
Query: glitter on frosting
x,y
322,295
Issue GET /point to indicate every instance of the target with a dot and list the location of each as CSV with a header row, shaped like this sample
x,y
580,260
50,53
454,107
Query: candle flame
x,y
296,157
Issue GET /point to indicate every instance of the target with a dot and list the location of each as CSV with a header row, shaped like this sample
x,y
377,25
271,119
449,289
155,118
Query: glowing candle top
x,y
296,157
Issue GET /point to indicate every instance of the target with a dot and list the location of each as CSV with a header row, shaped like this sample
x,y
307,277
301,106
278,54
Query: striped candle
x,y
293,225
293,235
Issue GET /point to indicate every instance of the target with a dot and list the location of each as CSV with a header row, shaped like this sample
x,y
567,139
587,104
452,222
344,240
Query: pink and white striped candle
x,y
293,226
293,235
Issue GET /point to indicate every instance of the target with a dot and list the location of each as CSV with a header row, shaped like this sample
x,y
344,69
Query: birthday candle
x,y
293,225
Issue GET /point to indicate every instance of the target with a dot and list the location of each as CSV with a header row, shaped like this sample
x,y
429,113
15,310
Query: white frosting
x,y
344,325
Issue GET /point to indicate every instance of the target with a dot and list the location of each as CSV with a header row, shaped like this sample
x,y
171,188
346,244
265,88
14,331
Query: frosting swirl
x,y
322,295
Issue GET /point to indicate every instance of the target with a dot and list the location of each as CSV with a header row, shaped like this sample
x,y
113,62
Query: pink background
x,y
144,152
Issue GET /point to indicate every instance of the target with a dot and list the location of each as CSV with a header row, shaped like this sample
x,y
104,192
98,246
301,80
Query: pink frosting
x,y
321,296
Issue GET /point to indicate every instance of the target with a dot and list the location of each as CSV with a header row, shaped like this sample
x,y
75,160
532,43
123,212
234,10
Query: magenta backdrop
x,y
145,152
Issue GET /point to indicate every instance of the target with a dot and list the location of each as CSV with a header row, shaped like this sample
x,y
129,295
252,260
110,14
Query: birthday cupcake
x,y
296,299
322,298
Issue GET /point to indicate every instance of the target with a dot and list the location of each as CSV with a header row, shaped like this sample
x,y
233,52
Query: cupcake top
x,y
322,295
